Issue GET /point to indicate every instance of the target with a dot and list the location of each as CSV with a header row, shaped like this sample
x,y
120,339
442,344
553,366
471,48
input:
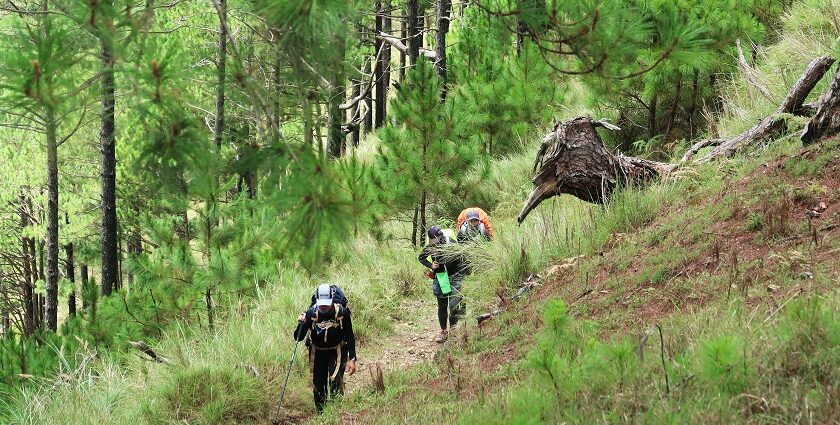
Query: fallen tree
x,y
572,158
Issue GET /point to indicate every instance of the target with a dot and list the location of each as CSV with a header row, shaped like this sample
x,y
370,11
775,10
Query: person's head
x,y
435,234
472,218
324,298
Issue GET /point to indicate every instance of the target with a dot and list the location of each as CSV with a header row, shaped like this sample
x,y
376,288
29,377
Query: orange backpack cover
x,y
482,217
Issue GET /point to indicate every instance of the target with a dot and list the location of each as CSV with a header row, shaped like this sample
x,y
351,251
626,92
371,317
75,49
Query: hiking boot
x,y
441,337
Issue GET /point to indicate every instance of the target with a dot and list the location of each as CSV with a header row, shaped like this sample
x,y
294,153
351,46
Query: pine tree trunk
x,y
33,260
695,88
355,133
368,118
672,116
414,225
652,117
51,305
423,223
413,28
28,280
336,135
110,256
521,30
71,275
403,35
443,10
218,128
83,274
383,65
42,301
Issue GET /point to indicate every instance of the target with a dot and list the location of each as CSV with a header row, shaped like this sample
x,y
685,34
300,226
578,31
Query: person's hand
x,y
302,317
351,367
435,264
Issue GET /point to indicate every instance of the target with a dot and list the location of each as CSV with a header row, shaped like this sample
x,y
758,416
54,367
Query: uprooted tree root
x,y
572,158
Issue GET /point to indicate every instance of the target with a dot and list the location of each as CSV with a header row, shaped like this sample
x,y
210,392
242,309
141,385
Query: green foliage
x,y
427,152
206,395
722,364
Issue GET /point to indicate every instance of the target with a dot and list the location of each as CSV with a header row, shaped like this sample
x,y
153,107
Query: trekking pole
x,y
288,373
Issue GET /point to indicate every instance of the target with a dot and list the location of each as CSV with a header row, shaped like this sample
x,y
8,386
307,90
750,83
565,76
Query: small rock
x,y
806,275
772,288
604,291
821,207
410,351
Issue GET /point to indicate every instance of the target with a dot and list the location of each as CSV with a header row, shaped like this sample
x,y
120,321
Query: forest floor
x,y
412,342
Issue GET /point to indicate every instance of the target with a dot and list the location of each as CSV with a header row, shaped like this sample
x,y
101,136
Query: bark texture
x,y
775,122
826,121
572,159
110,268
51,306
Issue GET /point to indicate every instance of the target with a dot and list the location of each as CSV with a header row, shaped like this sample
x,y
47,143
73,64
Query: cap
x,y
434,234
323,296
472,215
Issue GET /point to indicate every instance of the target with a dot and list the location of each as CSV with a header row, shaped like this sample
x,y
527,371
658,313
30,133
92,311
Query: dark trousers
x,y
450,309
323,367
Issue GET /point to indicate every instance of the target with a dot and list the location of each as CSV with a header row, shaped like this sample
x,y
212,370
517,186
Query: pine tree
x,y
423,158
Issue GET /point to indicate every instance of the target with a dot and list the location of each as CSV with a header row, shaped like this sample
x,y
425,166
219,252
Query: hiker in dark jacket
x,y
450,305
333,344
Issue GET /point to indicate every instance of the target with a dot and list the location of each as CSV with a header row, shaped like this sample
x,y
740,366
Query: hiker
x,y
446,280
474,225
333,344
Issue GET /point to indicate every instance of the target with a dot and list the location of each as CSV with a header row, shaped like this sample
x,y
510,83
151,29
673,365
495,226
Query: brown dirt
x,y
732,239
411,343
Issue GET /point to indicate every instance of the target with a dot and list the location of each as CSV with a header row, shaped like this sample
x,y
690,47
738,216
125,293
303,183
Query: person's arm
x,y
304,323
423,258
350,339
487,234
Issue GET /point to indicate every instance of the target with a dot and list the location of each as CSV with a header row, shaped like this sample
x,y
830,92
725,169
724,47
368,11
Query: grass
x,y
733,350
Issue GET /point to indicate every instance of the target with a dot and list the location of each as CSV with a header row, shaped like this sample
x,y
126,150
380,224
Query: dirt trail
x,y
411,343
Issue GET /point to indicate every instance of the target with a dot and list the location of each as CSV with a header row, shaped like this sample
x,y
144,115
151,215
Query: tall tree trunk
x,y
674,106
83,274
4,326
28,271
695,88
42,301
423,226
71,275
403,36
443,10
218,128
652,117
51,307
337,95
415,225
120,238
413,28
383,65
521,27
36,308
368,118
357,120
110,256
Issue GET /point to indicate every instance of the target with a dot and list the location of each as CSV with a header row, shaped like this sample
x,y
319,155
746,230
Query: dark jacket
x,y
455,265
336,332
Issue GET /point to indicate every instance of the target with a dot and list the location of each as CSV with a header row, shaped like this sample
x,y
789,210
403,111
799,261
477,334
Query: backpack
x,y
482,217
337,296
